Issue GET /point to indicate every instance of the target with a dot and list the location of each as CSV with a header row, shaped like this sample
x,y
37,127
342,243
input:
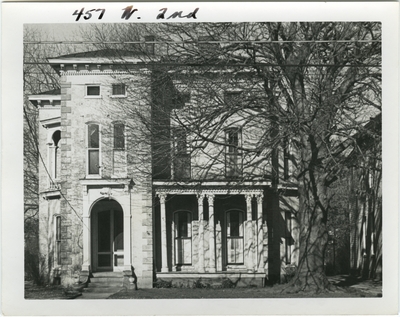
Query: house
x,y
132,183
365,183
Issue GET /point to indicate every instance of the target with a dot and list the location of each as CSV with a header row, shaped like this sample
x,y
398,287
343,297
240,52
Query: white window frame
x,y
87,151
92,96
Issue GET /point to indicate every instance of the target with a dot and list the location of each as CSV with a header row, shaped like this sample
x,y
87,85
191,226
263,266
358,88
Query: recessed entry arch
x,y
107,235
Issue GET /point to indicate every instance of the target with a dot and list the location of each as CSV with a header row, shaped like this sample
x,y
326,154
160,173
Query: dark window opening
x,y
118,90
119,136
233,155
181,156
93,90
58,240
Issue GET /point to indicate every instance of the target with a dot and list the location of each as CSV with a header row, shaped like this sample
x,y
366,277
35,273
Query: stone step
x,y
108,274
111,290
105,282
105,279
108,284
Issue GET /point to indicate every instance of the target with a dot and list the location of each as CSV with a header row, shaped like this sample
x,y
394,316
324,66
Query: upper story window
x,y
233,154
93,148
231,98
118,90
181,159
119,136
93,91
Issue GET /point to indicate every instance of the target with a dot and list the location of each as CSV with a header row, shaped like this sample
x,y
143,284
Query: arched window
x,y
56,155
93,148
183,237
234,237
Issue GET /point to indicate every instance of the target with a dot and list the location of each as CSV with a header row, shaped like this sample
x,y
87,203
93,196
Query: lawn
x,y
277,291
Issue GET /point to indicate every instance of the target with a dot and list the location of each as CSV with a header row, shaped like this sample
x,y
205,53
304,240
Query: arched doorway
x,y
107,241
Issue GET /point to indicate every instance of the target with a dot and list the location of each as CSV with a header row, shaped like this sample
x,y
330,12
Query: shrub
x,y
162,284
35,268
290,272
227,283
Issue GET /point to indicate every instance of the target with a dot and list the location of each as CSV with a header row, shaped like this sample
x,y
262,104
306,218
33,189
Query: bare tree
x,y
313,85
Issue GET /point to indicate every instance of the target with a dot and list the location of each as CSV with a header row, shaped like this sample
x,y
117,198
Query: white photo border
x,y
15,15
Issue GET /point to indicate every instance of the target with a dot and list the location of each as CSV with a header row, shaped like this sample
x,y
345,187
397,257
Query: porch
x,y
211,234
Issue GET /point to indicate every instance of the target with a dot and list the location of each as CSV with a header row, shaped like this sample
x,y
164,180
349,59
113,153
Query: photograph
x,y
202,160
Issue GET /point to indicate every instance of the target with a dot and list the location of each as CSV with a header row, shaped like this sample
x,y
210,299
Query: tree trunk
x,y
312,217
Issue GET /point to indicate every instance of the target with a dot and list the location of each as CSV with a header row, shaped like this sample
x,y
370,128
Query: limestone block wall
x,y
76,112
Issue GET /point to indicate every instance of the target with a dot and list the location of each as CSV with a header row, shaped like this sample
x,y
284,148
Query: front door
x,y
107,240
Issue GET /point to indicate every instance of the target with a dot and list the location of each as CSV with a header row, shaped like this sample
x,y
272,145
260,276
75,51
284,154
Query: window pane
x,y
183,251
93,90
118,90
104,260
104,232
94,162
58,228
93,136
119,136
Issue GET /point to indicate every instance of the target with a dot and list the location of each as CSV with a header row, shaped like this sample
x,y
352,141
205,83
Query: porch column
x,y
200,199
127,240
249,243
212,232
164,263
260,235
86,243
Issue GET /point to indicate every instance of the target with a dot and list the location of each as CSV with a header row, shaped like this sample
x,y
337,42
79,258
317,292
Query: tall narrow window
x,y
93,149
233,155
183,237
58,241
119,136
56,155
181,155
234,237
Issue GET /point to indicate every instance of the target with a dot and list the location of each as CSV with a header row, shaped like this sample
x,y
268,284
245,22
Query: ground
x,y
343,287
